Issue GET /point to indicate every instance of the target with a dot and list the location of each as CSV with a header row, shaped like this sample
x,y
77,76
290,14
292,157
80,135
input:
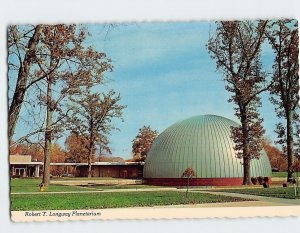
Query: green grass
x,y
85,178
269,192
48,201
32,185
279,174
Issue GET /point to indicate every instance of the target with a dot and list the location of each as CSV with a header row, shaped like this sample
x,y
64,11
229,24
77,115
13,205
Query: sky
x,y
164,74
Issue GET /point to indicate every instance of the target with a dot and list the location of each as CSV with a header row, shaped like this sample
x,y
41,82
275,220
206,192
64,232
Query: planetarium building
x,y
202,143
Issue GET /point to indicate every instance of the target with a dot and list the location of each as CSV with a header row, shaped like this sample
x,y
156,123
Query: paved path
x,y
275,201
260,200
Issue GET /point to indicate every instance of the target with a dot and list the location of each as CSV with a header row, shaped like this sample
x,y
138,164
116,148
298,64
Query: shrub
x,y
254,180
266,180
260,180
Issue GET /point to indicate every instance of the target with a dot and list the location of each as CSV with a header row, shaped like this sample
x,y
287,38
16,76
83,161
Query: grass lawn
x,y
48,201
279,174
85,178
32,185
269,192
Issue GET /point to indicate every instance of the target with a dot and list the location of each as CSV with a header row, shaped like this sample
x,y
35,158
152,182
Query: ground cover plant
x,y
48,201
278,192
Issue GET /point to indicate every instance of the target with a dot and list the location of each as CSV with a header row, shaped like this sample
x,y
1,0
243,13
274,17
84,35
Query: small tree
x,y
143,142
188,173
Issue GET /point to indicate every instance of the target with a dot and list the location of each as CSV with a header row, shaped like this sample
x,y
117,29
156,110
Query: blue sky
x,y
164,74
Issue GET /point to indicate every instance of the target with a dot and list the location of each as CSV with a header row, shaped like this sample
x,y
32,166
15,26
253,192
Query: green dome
x,y
204,144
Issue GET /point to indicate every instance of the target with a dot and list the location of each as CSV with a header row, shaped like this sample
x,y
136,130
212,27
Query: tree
x,y
188,173
82,68
92,115
58,155
143,142
54,61
77,148
236,48
277,158
36,52
21,47
284,38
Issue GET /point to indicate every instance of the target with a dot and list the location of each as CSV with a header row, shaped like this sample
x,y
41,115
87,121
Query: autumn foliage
x,y
277,159
143,142
77,148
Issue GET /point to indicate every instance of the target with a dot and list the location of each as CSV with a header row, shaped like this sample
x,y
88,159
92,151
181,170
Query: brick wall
x,y
195,181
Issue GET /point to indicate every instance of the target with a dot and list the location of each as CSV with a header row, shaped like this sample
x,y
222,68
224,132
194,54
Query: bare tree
x,y
284,38
236,48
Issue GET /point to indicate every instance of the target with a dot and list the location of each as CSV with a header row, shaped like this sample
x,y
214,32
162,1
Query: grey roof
x,y
204,144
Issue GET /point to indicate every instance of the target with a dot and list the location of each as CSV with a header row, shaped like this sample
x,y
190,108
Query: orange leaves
x,y
189,173
143,142
276,157
77,148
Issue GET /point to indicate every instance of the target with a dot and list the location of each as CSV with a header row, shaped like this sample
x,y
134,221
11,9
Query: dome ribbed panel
x,y
203,143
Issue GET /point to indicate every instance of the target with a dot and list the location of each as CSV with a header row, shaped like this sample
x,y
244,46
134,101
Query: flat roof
x,y
26,163
80,164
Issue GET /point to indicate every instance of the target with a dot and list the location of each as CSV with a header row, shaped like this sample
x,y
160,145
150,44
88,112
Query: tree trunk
x,y
20,89
290,145
246,158
48,135
90,163
246,167
188,184
91,149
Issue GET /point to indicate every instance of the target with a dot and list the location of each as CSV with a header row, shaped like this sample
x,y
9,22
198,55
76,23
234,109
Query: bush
x,y
266,180
254,180
260,180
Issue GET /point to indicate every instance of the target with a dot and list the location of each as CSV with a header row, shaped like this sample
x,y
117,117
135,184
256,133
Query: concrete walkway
x,y
264,199
257,200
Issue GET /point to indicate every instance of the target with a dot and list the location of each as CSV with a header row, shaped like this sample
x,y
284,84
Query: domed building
x,y
202,143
